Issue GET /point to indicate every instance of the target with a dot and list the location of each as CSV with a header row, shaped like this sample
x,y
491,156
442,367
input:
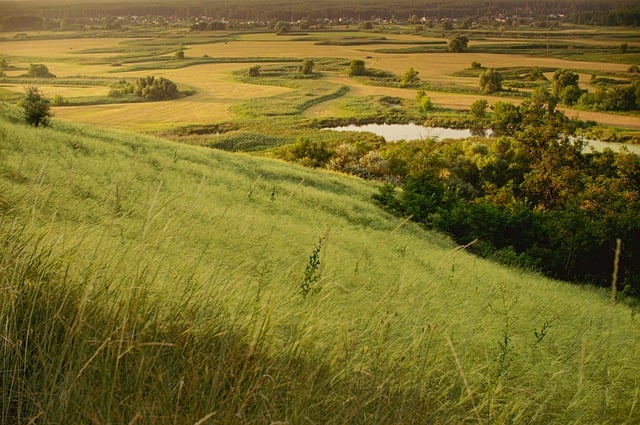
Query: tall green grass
x,y
149,282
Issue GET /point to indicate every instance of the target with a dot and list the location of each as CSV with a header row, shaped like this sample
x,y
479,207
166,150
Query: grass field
x,y
161,282
212,58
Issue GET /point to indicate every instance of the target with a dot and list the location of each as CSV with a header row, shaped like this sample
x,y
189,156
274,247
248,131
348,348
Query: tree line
x,y
533,195
30,14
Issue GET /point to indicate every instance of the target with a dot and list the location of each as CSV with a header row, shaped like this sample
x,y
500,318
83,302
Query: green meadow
x,y
145,281
159,266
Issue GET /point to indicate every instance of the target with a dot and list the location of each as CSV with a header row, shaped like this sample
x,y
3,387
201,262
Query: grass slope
x,y
144,281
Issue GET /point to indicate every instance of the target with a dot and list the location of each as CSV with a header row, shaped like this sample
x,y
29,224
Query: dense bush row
x,y
147,87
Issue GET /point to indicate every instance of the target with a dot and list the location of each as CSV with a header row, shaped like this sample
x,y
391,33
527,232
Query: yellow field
x,y
216,91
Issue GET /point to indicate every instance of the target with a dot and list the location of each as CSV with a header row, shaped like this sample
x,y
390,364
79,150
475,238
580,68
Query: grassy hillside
x,y
149,282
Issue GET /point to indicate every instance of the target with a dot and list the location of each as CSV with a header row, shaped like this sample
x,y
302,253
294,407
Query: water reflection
x,y
396,132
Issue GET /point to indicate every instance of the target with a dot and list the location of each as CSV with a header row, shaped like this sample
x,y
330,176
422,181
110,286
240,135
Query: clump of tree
x,y
36,108
254,71
121,89
565,86
490,81
410,78
38,70
153,88
149,87
479,117
623,98
458,43
357,68
535,74
179,55
282,27
306,68
534,198
311,153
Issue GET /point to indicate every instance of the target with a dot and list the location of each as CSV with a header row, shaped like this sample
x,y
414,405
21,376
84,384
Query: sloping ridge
x,y
251,290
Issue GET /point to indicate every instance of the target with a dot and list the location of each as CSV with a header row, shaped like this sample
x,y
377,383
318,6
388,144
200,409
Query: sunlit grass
x,y
161,282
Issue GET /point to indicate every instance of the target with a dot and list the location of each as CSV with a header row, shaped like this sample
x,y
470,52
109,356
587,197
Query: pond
x,y
396,132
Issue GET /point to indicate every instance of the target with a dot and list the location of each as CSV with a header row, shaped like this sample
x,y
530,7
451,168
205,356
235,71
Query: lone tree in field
x,y
410,78
357,68
424,102
36,108
490,81
458,43
307,67
565,86
38,70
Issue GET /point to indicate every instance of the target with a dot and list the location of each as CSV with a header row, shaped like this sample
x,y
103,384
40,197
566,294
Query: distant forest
x,y
591,12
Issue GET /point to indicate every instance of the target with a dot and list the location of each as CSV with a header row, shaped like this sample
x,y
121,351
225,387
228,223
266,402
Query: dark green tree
x,y
458,43
306,68
565,86
357,68
505,120
478,112
36,108
254,71
38,70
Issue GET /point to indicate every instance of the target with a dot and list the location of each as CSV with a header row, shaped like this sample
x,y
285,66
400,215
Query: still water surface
x,y
396,132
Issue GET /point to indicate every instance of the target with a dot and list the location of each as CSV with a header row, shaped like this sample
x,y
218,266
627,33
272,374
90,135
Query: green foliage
x,y
312,272
153,88
357,68
365,25
535,74
505,119
410,78
309,152
3,64
179,55
621,98
490,81
306,68
476,65
533,198
447,25
458,43
39,70
478,112
59,100
36,108
565,86
424,102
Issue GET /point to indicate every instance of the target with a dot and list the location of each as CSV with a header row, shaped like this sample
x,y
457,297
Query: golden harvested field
x,y
217,90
